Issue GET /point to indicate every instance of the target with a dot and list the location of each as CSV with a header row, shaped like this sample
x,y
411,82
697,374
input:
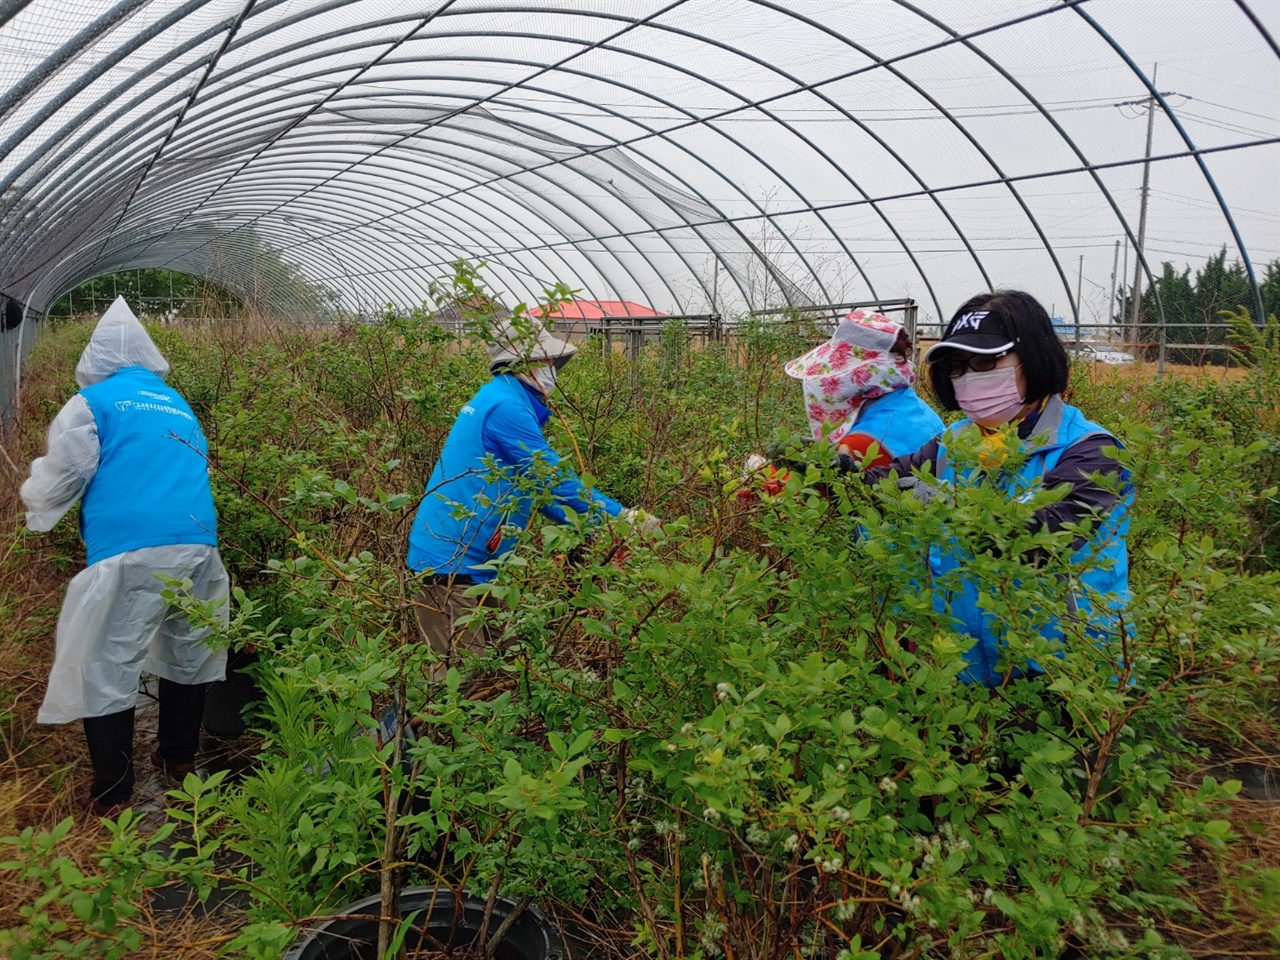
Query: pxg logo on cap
x,y
968,321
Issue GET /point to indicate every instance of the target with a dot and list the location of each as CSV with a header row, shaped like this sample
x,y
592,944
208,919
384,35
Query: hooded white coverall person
x,y
129,448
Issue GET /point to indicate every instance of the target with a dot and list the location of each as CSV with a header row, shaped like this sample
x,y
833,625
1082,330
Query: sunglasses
x,y
958,364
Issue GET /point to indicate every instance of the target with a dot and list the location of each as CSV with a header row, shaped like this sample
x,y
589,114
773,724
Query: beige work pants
x,y
439,607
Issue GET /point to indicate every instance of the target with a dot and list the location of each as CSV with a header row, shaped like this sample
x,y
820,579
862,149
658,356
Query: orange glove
x,y
858,445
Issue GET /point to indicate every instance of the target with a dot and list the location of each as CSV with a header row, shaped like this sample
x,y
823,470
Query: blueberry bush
x,y
743,736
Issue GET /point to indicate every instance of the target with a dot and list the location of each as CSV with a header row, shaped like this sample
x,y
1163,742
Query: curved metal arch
x,y
68,51
273,229
101,68
542,135
110,96
108,123
459,250
357,73
878,62
589,151
232,280
62,187
1066,138
1204,170
799,193
534,213
973,141
438,210
11,8
820,152
1257,24
191,99
469,212
497,176
901,161
523,205
155,112
1017,178
49,221
440,10
543,68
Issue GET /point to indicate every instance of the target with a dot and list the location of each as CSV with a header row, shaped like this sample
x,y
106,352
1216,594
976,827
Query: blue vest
x,y
468,500
1105,556
152,484
901,422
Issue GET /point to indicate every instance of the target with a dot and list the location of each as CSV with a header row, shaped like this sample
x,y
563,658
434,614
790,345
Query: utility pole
x,y
716,333
1111,303
1149,104
1135,306
1079,277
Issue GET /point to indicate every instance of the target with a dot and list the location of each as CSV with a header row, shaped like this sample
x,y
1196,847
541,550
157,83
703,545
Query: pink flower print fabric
x,y
856,365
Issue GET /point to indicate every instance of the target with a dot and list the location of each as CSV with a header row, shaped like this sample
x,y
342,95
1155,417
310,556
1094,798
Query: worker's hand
x,y
924,492
753,465
797,455
641,521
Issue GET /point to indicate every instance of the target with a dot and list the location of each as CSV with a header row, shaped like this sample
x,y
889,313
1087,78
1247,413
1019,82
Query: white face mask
x,y
546,377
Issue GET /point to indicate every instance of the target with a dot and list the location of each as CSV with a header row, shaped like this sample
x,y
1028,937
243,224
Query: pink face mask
x,y
990,398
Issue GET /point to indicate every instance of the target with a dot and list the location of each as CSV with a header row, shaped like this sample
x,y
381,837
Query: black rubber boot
x,y
181,708
111,751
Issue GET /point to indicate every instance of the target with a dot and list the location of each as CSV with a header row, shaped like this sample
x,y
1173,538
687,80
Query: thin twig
x,y
500,934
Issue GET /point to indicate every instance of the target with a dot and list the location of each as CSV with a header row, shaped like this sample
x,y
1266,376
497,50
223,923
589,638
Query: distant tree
x,y
242,272
1194,306
149,291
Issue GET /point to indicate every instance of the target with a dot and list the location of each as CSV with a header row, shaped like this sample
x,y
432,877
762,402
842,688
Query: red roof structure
x,y
572,310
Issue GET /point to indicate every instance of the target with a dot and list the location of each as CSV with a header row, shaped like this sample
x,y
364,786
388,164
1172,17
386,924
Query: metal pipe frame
x,y
337,208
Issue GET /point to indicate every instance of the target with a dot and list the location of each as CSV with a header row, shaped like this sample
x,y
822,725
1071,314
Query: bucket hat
x,y
856,365
535,345
859,336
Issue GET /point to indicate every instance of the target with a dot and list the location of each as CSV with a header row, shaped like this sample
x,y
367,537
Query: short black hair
x,y
1044,358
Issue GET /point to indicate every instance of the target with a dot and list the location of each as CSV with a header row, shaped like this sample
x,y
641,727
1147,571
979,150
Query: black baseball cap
x,y
978,331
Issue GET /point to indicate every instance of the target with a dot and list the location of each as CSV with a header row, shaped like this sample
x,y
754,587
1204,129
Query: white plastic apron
x,y
114,625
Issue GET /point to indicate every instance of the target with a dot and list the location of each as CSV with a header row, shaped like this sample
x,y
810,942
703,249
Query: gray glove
x,y
924,492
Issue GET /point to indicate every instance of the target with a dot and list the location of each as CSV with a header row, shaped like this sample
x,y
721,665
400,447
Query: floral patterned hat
x,y
859,335
856,365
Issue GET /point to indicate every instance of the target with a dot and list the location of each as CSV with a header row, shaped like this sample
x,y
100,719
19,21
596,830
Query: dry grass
x,y
1233,923
1147,372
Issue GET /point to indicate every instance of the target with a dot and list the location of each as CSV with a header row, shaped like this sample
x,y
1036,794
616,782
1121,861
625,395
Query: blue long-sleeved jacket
x,y
473,493
900,422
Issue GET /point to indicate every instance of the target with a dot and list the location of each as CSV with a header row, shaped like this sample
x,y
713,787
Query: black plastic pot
x,y
443,923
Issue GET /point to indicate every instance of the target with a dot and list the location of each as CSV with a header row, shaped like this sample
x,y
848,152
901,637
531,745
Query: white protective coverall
x,y
114,623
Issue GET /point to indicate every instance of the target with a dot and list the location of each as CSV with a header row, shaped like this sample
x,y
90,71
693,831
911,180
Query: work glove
x,y
924,492
753,465
796,456
641,521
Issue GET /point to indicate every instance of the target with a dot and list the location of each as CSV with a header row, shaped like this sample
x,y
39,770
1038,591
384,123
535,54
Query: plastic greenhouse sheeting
x,y
692,155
